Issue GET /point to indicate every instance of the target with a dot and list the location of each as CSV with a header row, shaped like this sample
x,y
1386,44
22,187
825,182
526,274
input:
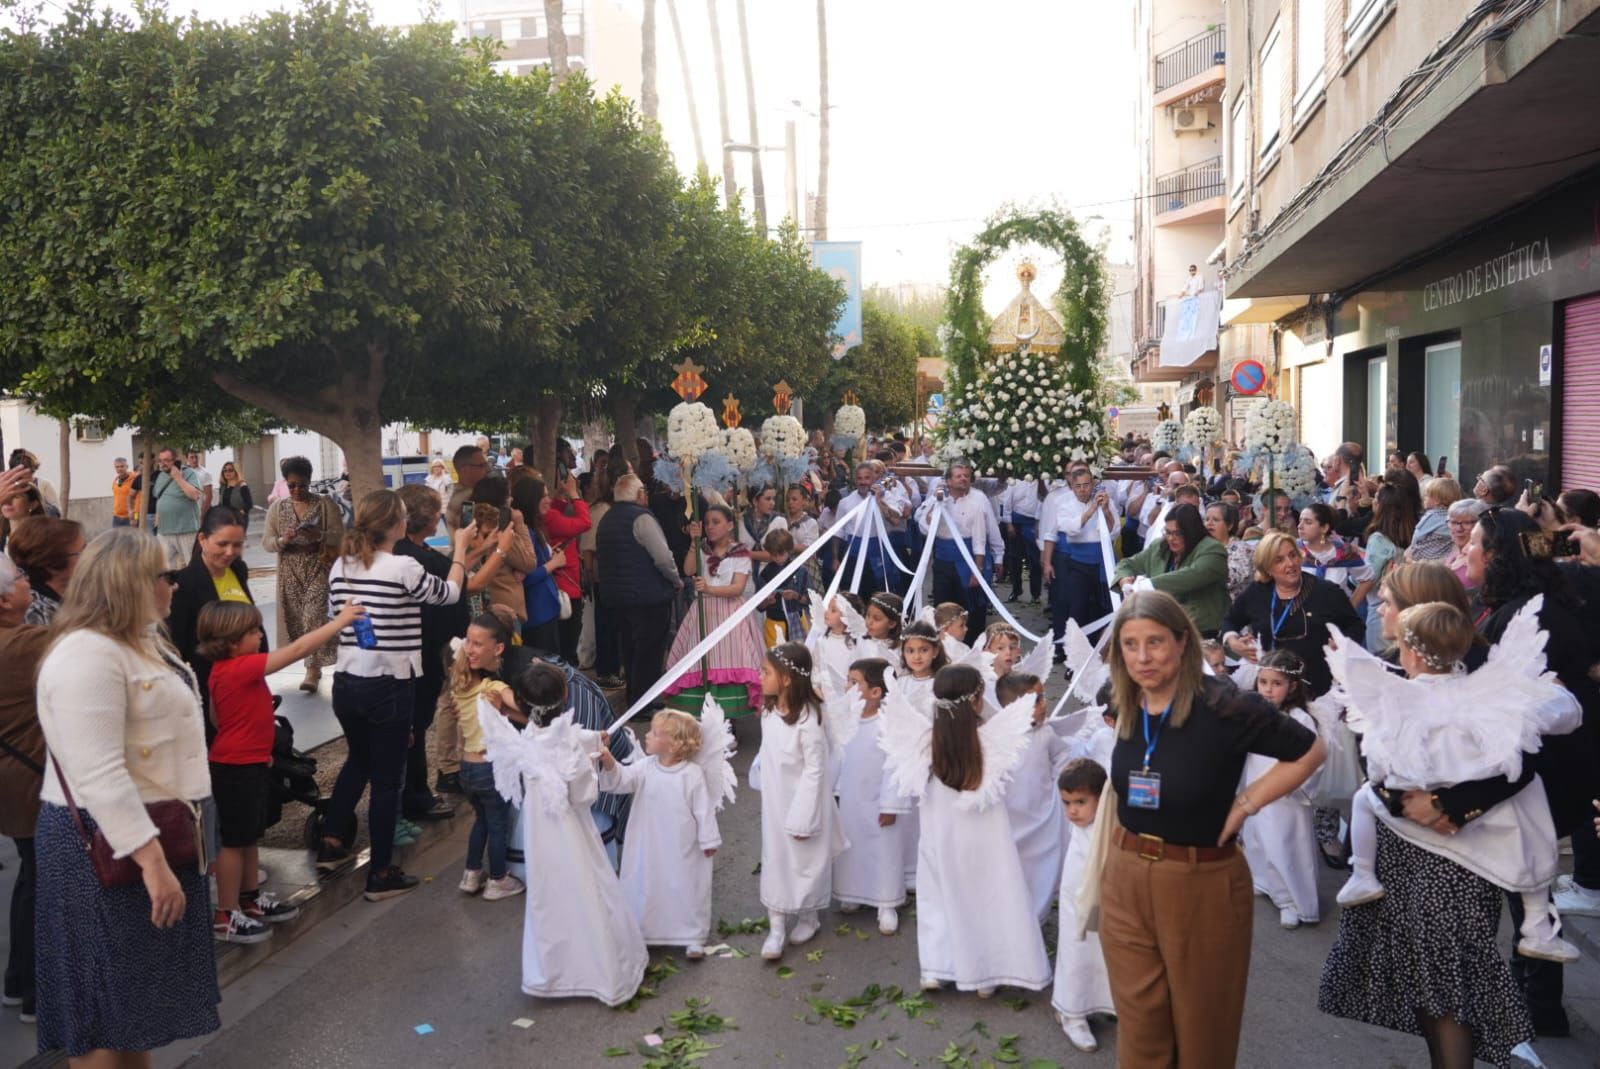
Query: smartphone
x,y
466,514
1442,468
562,471
1534,490
1548,544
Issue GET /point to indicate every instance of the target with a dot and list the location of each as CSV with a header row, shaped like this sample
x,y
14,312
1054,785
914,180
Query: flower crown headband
x,y
878,600
789,666
951,705
1437,662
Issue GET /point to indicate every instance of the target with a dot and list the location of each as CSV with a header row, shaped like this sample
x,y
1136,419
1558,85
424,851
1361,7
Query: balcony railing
x,y
1191,185
1194,56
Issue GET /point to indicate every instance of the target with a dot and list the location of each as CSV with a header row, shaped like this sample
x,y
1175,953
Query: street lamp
x,y
790,175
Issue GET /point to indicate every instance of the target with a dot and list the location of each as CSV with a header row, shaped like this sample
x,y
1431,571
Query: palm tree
x,y
649,99
556,35
820,219
728,184
688,84
758,187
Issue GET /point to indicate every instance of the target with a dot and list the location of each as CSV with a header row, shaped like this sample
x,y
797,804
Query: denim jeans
x,y
494,818
376,715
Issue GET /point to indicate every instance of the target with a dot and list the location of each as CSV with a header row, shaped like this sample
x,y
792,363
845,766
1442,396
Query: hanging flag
x,y
842,260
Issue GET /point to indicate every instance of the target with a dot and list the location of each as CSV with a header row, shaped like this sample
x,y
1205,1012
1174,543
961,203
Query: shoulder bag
x,y
178,829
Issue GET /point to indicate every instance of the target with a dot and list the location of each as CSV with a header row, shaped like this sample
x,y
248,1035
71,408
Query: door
x,y
1377,412
1580,394
1441,422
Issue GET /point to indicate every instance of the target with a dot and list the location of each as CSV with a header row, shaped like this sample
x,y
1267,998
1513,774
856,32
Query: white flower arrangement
x,y
1295,473
1022,419
1166,437
849,426
692,431
739,445
1270,427
1203,427
782,438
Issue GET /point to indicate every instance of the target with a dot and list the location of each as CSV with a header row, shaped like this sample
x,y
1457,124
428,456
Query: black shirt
x,y
1201,762
440,623
1304,629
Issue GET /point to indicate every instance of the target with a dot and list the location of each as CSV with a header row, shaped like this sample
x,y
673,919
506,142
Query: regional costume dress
x,y
734,664
796,874
871,871
1280,842
1082,986
666,875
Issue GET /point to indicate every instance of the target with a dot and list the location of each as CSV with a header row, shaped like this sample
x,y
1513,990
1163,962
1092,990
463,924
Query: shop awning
x,y
1259,310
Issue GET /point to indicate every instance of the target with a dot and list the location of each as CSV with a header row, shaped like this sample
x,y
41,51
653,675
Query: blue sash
x,y
1027,527
1079,552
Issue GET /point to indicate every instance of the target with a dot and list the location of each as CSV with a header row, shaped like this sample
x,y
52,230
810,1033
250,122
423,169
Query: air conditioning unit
x,y
1191,120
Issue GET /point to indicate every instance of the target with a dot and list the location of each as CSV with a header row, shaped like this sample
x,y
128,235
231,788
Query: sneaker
x,y
610,683
1548,948
849,907
1361,887
472,881
772,949
1079,1034
1576,900
805,930
888,920
437,809
1288,919
238,928
695,952
1013,599
388,883
331,855
507,886
10,1000
405,832
266,908
262,875
28,1015
1035,602
448,783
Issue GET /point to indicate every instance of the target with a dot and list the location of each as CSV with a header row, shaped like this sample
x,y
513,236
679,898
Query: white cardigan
x,y
125,728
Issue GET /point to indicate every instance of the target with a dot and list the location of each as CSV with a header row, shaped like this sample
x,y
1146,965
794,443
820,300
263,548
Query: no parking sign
x,y
1249,376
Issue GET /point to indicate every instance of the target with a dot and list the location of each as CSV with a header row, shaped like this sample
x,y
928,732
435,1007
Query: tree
x,y
820,221
882,371
758,185
728,183
649,98
924,310
556,38
688,90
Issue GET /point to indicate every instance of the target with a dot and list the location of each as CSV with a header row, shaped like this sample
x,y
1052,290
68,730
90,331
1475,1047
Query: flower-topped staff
x,y
849,423
692,430
1164,439
1270,427
731,416
783,442
1203,427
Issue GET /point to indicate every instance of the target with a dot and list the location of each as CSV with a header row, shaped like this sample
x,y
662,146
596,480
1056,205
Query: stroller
x,y
293,778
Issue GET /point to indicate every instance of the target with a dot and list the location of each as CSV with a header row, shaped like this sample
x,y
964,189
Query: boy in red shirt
x,y
230,633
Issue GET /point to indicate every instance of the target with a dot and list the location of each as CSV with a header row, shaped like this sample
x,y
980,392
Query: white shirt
x,y
894,499
1021,499
394,590
1194,287
1068,520
969,517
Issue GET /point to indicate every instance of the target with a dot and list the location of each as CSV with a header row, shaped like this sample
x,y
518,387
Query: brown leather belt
x,y
1155,848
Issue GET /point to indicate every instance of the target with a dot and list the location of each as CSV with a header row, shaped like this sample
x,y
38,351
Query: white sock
x,y
1364,831
1538,915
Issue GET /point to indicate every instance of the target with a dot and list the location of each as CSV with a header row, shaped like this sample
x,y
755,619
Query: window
x,y
511,30
1363,16
1270,79
1310,32
1239,144
484,29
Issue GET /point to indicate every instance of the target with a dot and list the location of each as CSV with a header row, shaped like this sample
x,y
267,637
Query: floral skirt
x,y
303,603
732,668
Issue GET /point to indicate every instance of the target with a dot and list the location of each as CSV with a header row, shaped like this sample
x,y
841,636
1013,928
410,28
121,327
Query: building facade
x,y
1415,220
603,38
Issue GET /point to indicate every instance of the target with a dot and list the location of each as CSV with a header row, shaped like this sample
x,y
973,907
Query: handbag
x,y
178,829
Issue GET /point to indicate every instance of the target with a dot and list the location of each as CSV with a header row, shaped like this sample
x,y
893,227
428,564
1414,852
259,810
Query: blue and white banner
x,y
842,260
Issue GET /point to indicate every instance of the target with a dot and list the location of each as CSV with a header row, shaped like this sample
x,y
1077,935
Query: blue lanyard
x,y
1278,620
1150,743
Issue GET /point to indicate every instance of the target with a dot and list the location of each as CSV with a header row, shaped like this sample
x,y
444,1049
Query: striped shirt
x,y
393,589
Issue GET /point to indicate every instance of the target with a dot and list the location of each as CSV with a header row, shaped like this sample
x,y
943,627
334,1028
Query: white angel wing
x,y
819,623
906,738
1037,663
1363,682
842,706
954,648
1520,652
854,622
930,616
982,660
716,749
549,757
1005,737
507,750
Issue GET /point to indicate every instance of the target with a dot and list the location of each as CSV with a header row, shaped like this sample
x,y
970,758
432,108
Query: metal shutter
x,y
1580,395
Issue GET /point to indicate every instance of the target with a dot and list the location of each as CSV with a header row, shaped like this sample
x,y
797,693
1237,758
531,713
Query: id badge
x,y
1144,790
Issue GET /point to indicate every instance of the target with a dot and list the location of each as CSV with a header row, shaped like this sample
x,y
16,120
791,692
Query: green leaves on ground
x,y
747,926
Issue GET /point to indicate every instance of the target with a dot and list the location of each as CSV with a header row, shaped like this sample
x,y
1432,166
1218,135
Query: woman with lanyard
x,y
1188,564
1327,556
1289,608
1175,890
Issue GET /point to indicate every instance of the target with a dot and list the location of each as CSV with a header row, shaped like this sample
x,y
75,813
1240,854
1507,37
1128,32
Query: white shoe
x,y
985,992
507,886
695,953
805,930
1288,918
849,907
472,881
1359,888
1548,948
930,984
1577,901
772,949
1078,1033
888,920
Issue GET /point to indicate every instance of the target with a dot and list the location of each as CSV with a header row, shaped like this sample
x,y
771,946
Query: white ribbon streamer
x,y
917,577
709,642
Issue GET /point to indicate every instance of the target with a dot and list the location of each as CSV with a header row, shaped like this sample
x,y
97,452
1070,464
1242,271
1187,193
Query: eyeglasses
x,y
294,485
1464,524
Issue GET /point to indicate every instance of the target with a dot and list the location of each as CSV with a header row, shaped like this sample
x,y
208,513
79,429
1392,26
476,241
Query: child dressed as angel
x,y
1038,822
871,870
1441,726
672,825
976,924
836,629
579,938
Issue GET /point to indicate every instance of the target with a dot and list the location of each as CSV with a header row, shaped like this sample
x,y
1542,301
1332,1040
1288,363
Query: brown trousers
x,y
1176,937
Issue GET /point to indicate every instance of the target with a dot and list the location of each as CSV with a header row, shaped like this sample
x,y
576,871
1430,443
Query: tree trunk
x,y
820,218
346,411
649,99
546,434
625,414
688,84
64,441
758,186
556,35
728,183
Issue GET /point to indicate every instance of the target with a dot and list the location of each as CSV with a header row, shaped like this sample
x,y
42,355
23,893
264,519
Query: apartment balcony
x,y
1193,72
1195,194
1183,342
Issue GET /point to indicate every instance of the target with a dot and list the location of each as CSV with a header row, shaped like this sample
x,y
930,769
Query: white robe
x,y
796,875
1082,985
871,871
1038,820
975,923
1280,842
666,876
579,939
836,653
919,692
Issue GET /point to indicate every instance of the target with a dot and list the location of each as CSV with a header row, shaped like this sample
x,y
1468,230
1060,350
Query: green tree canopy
x,y
882,370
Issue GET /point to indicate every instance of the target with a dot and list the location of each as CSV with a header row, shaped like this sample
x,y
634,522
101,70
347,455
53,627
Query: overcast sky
x,y
943,110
